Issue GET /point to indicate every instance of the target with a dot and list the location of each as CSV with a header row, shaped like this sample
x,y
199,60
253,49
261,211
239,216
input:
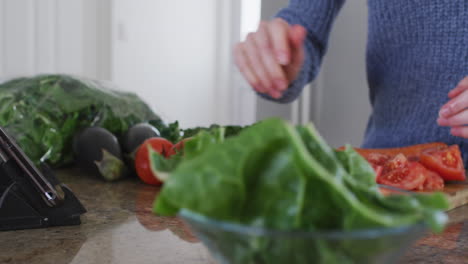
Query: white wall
x,y
177,55
344,105
54,36
166,52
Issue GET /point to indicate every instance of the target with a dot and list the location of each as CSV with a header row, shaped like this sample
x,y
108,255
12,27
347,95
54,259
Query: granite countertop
x,y
120,228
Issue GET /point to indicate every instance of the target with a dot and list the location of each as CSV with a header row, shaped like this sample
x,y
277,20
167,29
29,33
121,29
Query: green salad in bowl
x,y
235,243
278,193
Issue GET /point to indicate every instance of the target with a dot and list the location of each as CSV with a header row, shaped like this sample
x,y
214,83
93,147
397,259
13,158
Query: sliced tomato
x,y
179,147
447,162
378,170
398,162
142,162
433,182
377,159
411,152
408,176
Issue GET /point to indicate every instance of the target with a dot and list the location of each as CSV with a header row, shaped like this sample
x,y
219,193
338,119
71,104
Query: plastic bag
x,y
44,112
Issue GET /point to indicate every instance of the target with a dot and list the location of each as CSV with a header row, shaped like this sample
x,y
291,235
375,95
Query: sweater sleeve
x,y
317,17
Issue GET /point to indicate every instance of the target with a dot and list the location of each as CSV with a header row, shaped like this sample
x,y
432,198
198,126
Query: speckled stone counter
x,y
120,228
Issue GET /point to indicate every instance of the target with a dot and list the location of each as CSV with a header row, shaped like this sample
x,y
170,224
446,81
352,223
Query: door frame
x,y
235,98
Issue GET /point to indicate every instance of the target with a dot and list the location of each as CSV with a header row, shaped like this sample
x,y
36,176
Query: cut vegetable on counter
x,y
142,159
422,167
98,151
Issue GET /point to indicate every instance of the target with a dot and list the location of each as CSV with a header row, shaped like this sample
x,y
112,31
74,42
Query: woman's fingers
x,y
254,56
454,113
458,119
462,86
460,131
297,35
271,57
278,31
455,105
273,68
244,66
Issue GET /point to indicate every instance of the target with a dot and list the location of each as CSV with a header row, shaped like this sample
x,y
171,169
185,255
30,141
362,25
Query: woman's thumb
x,y
297,35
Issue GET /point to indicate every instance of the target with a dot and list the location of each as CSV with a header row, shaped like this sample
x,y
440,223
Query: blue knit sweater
x,y
417,51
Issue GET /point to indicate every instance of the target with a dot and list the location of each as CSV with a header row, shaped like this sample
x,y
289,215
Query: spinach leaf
x,y
230,130
276,176
357,167
44,112
272,174
171,132
192,148
222,179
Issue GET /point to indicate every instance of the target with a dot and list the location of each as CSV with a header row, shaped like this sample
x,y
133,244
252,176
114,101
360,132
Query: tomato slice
x,y
411,152
433,182
398,162
179,147
447,162
142,162
378,170
377,159
403,174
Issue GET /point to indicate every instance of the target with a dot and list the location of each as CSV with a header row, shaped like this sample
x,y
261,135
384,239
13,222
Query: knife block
x,y
21,207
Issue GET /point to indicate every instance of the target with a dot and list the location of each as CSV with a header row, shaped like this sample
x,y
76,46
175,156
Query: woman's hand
x,y
454,113
271,58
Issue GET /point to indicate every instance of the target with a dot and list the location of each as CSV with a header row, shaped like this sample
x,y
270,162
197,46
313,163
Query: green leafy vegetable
x,y
193,147
276,176
174,133
160,163
44,112
171,132
272,168
229,131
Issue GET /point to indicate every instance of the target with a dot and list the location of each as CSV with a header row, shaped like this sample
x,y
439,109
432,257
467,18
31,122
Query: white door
x,y
177,56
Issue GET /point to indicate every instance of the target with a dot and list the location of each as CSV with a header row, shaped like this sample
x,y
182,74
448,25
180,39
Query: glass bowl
x,y
239,244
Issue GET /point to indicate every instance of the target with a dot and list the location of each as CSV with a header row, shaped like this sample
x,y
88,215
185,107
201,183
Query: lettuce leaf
x,y
274,175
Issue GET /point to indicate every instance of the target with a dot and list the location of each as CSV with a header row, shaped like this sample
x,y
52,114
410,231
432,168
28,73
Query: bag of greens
x,y
44,112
